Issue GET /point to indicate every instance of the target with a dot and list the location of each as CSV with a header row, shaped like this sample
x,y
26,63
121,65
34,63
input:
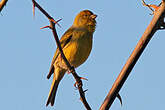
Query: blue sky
x,y
27,51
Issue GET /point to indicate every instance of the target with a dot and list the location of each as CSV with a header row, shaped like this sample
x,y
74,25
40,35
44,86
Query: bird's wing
x,y
65,39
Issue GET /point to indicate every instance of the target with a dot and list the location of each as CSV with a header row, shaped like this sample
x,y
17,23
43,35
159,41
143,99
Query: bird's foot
x,y
79,84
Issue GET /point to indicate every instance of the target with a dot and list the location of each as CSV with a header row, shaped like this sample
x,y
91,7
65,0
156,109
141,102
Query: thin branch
x,y
146,37
70,68
152,7
147,5
2,4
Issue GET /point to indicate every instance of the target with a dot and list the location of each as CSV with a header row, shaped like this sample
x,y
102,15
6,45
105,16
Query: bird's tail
x,y
58,75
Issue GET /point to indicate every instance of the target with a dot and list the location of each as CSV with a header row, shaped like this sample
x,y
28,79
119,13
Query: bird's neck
x,y
89,28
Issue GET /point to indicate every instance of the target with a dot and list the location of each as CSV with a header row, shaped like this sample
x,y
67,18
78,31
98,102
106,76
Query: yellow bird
x,y
76,44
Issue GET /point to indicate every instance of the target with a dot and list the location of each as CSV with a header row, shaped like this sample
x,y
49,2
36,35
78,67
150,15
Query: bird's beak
x,y
93,16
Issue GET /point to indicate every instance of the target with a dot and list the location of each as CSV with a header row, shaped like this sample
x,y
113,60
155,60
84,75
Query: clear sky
x,y
26,52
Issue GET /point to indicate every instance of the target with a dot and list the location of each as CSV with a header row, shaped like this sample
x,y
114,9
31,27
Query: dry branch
x,y
70,68
156,24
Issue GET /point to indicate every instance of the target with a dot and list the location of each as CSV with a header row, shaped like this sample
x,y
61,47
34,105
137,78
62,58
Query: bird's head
x,y
85,19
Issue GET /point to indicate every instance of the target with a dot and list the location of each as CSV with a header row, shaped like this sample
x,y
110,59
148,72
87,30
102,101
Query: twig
x,y
152,7
146,37
70,68
2,4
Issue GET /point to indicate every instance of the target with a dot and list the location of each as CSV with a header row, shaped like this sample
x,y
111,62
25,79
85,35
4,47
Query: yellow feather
x,y
76,44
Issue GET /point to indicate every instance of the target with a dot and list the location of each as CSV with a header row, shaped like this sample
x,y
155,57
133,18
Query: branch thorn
x,y
120,99
56,22
153,8
45,27
33,8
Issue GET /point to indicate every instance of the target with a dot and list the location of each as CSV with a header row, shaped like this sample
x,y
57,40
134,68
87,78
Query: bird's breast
x,y
78,50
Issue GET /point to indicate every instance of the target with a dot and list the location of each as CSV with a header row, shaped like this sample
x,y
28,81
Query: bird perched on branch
x,y
76,44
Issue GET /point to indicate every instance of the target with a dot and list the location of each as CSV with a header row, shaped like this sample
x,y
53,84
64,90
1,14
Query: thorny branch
x,y
70,68
156,24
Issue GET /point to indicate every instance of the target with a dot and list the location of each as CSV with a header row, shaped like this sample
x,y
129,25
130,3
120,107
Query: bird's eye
x,y
85,15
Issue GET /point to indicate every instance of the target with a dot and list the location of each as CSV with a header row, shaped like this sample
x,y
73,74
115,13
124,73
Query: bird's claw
x,y
79,84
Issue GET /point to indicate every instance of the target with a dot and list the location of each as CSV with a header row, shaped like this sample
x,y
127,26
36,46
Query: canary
x,y
76,44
